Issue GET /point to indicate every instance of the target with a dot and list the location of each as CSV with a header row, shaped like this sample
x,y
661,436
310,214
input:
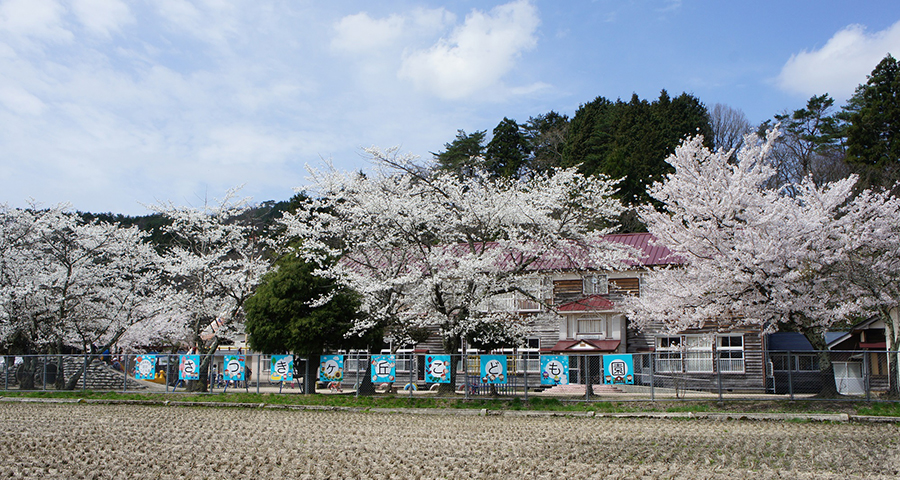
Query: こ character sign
x,y
618,369
438,369
554,370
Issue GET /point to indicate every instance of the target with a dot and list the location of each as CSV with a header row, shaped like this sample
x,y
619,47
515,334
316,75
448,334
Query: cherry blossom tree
x,y
67,282
214,264
426,249
868,271
752,255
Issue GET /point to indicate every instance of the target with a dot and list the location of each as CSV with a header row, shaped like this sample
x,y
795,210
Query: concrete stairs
x,y
577,390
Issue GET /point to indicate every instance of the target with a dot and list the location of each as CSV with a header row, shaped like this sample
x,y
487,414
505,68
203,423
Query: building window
x,y
592,326
668,356
731,353
595,285
698,353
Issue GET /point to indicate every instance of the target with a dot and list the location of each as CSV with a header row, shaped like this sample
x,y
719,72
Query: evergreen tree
x,y
873,133
282,315
546,136
507,150
631,140
463,154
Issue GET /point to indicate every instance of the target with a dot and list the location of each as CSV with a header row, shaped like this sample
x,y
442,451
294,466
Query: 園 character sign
x,y
234,368
282,368
384,368
493,369
437,369
189,367
554,370
618,369
145,367
331,368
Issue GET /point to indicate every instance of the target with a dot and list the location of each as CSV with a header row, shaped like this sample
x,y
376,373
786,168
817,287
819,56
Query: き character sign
x,y
282,369
554,370
618,369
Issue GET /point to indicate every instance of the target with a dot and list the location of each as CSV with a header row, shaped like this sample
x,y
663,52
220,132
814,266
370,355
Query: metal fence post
x,y
867,381
790,375
412,360
124,365
356,387
465,364
525,375
719,378
586,362
652,382
84,374
259,370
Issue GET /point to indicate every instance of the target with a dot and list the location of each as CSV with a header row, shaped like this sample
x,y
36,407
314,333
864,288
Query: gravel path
x,y
78,441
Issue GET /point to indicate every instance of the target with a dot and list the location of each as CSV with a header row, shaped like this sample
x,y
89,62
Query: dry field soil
x,y
78,441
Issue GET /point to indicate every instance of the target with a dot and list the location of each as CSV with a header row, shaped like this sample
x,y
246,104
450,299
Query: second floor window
x,y
595,285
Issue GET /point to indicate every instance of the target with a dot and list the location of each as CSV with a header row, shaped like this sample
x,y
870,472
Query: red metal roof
x,y
585,345
653,254
593,302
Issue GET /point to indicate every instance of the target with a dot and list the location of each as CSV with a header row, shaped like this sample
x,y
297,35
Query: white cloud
x,y
361,33
477,54
841,64
41,19
102,17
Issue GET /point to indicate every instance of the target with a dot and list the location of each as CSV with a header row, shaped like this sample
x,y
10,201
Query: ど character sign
x,y
618,369
331,368
145,367
437,369
554,370
493,369
384,368
282,369
189,367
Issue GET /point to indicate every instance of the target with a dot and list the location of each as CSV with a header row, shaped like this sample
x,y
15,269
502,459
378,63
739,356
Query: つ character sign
x,y
234,368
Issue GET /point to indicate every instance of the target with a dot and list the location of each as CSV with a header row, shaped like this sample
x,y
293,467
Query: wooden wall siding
x,y
625,286
567,291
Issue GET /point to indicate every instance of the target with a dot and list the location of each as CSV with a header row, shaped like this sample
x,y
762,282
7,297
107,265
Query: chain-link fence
x,y
670,375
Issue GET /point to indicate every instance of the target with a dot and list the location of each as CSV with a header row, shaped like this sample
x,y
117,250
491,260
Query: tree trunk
x,y
451,346
828,388
309,381
366,387
892,337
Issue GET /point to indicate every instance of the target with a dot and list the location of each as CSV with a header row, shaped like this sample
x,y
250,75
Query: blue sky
x,y
111,105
